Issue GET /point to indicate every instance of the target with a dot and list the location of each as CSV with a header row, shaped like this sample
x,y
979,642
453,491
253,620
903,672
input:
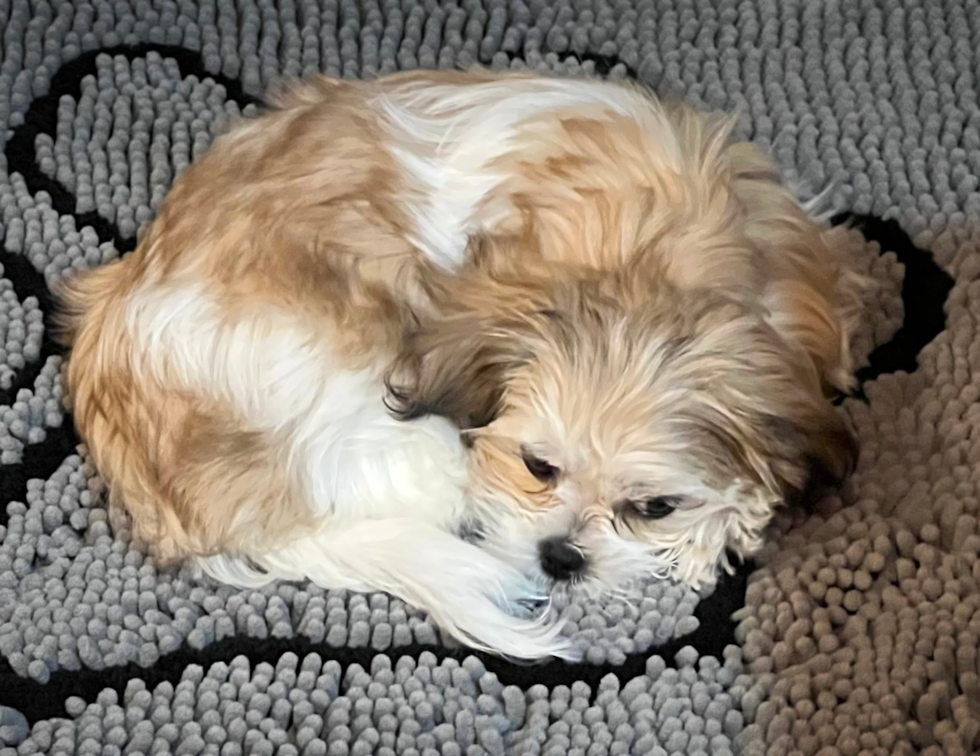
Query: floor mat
x,y
857,629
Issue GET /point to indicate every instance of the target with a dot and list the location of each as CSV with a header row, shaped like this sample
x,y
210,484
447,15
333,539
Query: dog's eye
x,y
658,507
543,471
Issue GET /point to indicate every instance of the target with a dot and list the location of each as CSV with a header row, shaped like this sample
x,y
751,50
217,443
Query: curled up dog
x,y
584,328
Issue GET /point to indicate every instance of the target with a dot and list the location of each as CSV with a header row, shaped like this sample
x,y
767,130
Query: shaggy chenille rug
x,y
855,632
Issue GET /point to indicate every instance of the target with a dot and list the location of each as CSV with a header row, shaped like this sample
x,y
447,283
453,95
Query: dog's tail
x,y
470,594
81,297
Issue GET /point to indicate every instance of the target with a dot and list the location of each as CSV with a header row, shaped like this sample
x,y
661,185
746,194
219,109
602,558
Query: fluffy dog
x,y
631,321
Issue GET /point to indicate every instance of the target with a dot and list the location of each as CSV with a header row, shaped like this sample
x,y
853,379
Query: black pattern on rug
x,y
43,675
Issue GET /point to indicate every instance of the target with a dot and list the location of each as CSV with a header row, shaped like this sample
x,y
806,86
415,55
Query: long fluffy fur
x,y
567,266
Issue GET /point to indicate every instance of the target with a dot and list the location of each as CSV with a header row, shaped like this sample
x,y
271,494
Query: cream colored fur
x,y
568,271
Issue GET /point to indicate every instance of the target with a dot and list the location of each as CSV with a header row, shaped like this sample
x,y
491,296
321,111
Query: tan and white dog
x,y
631,321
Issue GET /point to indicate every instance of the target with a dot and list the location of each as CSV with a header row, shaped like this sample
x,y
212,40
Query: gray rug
x,y
855,632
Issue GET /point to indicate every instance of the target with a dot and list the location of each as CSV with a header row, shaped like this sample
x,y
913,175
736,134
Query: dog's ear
x,y
818,454
455,362
809,451
789,439
453,366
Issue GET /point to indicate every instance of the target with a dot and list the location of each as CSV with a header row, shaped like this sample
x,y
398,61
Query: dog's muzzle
x,y
560,558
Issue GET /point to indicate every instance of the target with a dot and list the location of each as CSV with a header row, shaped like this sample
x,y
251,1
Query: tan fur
x,y
619,262
621,379
297,210
643,301
504,331
710,213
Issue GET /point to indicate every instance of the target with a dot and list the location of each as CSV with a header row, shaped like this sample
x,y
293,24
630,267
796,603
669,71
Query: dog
x,y
467,338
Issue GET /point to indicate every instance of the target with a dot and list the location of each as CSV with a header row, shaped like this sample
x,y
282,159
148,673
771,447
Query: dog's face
x,y
620,427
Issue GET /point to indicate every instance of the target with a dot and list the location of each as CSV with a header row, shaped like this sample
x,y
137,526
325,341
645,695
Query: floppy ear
x,y
805,449
788,438
811,451
483,324
454,366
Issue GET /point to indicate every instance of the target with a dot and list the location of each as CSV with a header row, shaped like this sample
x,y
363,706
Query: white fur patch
x,y
282,375
388,490
470,594
448,137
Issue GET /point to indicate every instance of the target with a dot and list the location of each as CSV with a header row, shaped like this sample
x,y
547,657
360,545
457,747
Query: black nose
x,y
559,558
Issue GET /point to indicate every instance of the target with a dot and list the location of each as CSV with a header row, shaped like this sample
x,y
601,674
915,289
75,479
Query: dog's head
x,y
619,425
